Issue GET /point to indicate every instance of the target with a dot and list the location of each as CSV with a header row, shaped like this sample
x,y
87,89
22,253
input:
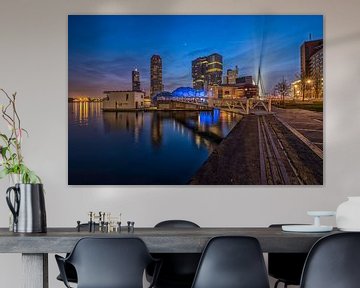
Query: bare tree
x,y
283,89
303,87
318,86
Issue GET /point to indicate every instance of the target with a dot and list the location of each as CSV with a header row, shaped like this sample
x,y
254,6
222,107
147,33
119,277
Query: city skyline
x,y
104,50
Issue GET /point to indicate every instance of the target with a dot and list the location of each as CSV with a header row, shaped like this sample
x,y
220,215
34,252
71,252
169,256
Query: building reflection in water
x,y
156,130
157,147
80,112
131,122
205,128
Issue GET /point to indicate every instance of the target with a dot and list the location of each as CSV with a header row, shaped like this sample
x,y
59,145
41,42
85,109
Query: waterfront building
x,y
308,49
182,93
316,73
136,80
198,72
233,91
147,102
231,76
207,71
182,98
310,84
214,69
316,63
245,80
156,85
123,100
188,92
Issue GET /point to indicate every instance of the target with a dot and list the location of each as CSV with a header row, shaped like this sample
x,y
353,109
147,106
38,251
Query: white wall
x,y
33,62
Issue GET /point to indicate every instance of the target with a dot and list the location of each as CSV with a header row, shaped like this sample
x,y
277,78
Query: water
x,y
139,148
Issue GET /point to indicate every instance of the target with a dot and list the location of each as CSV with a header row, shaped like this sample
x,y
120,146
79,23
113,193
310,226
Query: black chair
x,y
69,269
333,262
108,263
286,267
178,269
232,262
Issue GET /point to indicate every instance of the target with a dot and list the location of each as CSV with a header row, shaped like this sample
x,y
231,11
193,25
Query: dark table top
x,y
158,240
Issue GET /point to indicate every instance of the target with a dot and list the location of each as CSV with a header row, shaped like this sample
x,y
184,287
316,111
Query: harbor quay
x,y
263,150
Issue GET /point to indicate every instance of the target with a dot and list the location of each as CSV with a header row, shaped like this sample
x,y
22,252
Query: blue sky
x,y
104,49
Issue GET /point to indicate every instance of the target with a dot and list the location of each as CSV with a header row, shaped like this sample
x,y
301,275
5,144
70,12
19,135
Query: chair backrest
x,y
176,224
177,267
232,262
110,262
333,262
286,266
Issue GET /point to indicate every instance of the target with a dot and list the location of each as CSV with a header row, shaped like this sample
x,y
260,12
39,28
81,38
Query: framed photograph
x,y
195,99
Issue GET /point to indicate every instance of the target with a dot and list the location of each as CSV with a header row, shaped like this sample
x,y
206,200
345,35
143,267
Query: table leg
x,y
35,270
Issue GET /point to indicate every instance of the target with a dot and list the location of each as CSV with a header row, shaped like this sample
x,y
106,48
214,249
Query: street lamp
x,y
309,82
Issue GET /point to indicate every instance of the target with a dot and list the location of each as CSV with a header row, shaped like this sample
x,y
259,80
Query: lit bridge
x,y
242,106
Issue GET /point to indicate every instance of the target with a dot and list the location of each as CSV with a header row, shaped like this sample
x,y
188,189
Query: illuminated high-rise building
x,y
308,49
198,72
214,69
207,71
316,63
231,75
311,53
316,73
156,85
136,80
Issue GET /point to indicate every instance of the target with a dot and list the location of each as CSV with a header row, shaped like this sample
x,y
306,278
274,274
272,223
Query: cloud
x,y
172,82
199,53
95,74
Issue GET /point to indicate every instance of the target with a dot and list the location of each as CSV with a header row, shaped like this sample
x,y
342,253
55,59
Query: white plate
x,y
350,229
306,228
321,213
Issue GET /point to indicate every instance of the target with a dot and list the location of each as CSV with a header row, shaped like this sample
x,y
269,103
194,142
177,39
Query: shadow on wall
x,y
345,39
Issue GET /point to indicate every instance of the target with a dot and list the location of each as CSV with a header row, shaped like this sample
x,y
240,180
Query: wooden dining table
x,y
35,247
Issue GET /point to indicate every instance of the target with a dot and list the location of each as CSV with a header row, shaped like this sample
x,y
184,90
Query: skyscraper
x,y
214,69
308,49
135,80
316,63
207,71
198,72
316,72
156,85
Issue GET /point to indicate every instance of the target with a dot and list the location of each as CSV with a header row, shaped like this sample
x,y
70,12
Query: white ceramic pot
x,y
14,179
348,215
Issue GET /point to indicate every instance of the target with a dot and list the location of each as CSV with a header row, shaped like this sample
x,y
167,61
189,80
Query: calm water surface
x,y
160,147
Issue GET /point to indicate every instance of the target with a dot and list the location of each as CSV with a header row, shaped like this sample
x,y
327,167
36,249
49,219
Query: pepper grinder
x,y
78,226
130,226
90,221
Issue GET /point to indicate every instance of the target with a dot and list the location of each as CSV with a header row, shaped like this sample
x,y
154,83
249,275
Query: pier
x,y
261,150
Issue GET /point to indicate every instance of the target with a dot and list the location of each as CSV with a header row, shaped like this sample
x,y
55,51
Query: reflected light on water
x,y
80,111
157,147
